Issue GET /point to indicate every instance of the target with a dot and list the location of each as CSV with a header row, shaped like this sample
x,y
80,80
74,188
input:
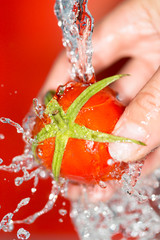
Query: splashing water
x,y
136,217
136,214
77,24
31,170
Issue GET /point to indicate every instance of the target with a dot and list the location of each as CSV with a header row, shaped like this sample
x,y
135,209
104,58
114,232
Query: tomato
x,y
82,153
85,161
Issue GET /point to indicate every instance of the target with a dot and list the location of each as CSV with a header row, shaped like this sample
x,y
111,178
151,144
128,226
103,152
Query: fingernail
x,y
127,151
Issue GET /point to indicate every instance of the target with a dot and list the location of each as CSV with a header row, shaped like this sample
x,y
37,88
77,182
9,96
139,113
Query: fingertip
x,y
128,152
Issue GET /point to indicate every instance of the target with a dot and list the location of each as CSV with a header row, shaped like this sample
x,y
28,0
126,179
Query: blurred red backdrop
x,y
30,40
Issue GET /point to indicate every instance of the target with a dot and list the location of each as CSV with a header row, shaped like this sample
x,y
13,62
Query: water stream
x,y
77,24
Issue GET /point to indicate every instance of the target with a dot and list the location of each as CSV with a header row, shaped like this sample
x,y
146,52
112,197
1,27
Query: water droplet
x,y
153,197
18,181
2,85
2,136
62,212
113,227
22,203
86,235
102,184
110,162
60,23
23,234
51,196
60,220
1,160
33,190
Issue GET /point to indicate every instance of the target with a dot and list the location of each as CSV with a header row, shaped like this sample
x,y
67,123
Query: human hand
x,y
131,30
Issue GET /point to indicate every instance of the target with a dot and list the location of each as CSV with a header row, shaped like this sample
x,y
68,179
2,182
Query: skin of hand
x,y
131,30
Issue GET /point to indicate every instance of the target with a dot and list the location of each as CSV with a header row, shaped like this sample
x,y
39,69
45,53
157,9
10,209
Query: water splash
x,y
124,214
19,129
38,108
26,164
48,206
6,221
77,24
136,214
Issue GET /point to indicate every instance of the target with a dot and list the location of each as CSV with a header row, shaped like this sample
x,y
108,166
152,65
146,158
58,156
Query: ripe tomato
x,y
85,161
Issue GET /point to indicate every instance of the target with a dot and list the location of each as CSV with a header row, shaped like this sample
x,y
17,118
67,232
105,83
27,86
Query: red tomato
x,y
85,161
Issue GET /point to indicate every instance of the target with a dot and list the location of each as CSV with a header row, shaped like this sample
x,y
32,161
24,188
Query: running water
x,y
134,209
77,24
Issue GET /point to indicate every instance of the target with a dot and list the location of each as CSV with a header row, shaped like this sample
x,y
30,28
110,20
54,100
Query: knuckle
x,y
149,99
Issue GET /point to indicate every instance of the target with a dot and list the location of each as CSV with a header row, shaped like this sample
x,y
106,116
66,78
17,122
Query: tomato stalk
x,y
63,125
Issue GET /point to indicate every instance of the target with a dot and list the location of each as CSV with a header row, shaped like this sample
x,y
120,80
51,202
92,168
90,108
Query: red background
x,y
30,40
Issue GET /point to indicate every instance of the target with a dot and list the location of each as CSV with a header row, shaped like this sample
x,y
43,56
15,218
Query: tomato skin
x,y
86,161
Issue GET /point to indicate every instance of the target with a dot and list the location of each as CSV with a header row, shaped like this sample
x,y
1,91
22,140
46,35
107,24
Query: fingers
x,y
126,31
122,33
127,87
151,163
139,121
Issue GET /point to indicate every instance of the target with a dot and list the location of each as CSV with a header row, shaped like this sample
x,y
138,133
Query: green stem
x,y
60,145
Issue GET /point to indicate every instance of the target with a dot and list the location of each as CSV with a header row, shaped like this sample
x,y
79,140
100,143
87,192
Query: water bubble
x,y
62,212
1,160
23,234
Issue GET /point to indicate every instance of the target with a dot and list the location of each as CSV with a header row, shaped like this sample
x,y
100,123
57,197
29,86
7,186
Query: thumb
x,y
140,121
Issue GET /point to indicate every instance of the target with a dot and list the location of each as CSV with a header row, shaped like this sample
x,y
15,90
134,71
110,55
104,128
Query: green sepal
x,y
53,108
48,96
82,132
48,131
78,103
60,145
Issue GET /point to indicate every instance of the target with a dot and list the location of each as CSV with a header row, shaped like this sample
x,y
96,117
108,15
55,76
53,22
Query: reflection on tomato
x,y
29,43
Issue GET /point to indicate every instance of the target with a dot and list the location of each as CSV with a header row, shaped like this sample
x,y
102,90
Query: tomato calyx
x,y
62,125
